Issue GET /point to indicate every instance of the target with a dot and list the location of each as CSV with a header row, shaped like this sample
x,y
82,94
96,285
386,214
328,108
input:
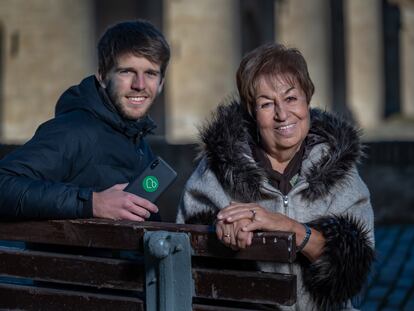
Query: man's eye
x,y
152,73
290,99
125,71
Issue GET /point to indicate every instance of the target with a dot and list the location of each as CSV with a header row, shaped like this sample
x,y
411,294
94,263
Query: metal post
x,y
169,284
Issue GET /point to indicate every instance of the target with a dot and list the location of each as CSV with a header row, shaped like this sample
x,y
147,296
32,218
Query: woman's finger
x,y
242,214
250,239
227,235
233,238
253,226
253,213
247,238
223,214
242,239
219,230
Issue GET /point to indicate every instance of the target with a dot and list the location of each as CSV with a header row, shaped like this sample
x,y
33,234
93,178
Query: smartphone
x,y
153,181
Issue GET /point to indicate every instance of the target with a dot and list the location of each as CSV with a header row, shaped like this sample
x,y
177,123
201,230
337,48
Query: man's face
x,y
132,85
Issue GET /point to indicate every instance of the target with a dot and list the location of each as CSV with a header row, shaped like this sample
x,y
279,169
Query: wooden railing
x,y
120,265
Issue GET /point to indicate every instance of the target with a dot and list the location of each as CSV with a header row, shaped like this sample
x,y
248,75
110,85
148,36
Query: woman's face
x,y
282,114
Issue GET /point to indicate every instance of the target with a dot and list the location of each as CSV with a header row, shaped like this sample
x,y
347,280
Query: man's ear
x,y
100,79
160,86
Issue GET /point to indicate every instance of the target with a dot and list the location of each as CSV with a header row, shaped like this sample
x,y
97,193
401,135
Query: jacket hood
x,y
86,97
227,145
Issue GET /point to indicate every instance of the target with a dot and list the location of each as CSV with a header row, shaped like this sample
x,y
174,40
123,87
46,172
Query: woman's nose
x,y
280,112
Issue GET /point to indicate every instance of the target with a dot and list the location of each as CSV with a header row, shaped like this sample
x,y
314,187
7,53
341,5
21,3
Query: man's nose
x,y
139,82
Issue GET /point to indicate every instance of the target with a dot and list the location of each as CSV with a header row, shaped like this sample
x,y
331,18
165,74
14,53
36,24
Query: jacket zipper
x,y
285,204
286,212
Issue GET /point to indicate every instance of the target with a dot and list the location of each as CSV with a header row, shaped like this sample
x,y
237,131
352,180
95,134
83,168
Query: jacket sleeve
x,y
202,198
32,178
341,271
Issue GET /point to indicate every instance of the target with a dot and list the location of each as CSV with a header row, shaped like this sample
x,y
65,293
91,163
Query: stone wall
x,y
205,46
47,46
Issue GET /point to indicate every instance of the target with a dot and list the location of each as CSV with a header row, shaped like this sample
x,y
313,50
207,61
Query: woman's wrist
x,y
305,239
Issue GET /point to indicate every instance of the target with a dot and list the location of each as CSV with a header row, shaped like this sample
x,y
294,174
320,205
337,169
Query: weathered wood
x,y
199,307
37,298
245,286
126,235
129,275
73,269
76,266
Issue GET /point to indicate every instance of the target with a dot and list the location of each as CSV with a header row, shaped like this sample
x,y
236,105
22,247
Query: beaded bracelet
x,y
305,239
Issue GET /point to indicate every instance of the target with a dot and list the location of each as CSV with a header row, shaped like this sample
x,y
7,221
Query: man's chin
x,y
131,112
134,115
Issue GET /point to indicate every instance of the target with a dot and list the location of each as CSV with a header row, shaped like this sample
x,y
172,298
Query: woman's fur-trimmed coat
x,y
329,195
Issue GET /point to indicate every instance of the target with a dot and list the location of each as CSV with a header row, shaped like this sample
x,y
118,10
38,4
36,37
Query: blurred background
x,y
360,55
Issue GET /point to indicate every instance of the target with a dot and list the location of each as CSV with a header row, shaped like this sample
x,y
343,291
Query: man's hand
x,y
114,203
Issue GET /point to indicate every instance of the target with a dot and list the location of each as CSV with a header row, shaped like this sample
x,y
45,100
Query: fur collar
x,y
227,140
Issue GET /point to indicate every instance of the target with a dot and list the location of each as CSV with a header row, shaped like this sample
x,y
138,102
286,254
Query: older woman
x,y
270,162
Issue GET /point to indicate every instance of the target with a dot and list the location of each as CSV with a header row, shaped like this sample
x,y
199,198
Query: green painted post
x,y
169,283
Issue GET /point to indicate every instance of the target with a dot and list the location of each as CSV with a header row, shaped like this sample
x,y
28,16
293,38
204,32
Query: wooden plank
x,y
266,246
86,233
73,269
199,307
22,297
127,235
245,286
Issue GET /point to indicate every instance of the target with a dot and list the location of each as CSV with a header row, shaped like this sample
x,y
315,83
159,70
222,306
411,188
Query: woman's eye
x,y
267,105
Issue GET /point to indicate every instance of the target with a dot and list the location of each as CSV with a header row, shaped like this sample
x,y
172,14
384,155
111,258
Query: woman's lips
x,y
285,129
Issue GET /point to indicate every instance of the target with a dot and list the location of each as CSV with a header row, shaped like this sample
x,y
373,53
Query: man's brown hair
x,y
139,38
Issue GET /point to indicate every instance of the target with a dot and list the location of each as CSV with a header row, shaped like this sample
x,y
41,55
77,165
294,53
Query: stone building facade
x,y
48,45
45,46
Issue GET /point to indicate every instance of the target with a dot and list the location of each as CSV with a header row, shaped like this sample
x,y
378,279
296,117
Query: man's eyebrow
x,y
125,68
153,70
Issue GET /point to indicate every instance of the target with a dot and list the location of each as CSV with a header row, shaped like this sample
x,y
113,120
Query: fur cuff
x,y
341,271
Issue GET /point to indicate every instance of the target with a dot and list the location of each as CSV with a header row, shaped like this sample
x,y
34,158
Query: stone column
x,y
407,57
305,25
365,73
205,43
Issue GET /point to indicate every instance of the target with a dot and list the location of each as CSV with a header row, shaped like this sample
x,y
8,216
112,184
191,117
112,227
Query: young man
x,y
78,163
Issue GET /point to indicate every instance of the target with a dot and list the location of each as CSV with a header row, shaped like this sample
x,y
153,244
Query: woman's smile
x,y
286,130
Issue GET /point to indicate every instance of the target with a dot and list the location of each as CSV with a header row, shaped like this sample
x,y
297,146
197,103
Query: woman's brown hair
x,y
271,60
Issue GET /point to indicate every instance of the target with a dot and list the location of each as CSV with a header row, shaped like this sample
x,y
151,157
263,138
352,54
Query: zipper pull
x,y
285,201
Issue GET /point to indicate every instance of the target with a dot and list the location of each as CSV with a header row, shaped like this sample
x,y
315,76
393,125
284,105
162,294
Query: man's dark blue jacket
x,y
87,147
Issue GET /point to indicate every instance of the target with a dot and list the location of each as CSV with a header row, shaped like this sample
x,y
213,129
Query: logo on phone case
x,y
150,183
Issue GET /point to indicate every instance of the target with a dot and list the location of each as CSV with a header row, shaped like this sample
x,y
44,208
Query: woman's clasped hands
x,y
237,222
